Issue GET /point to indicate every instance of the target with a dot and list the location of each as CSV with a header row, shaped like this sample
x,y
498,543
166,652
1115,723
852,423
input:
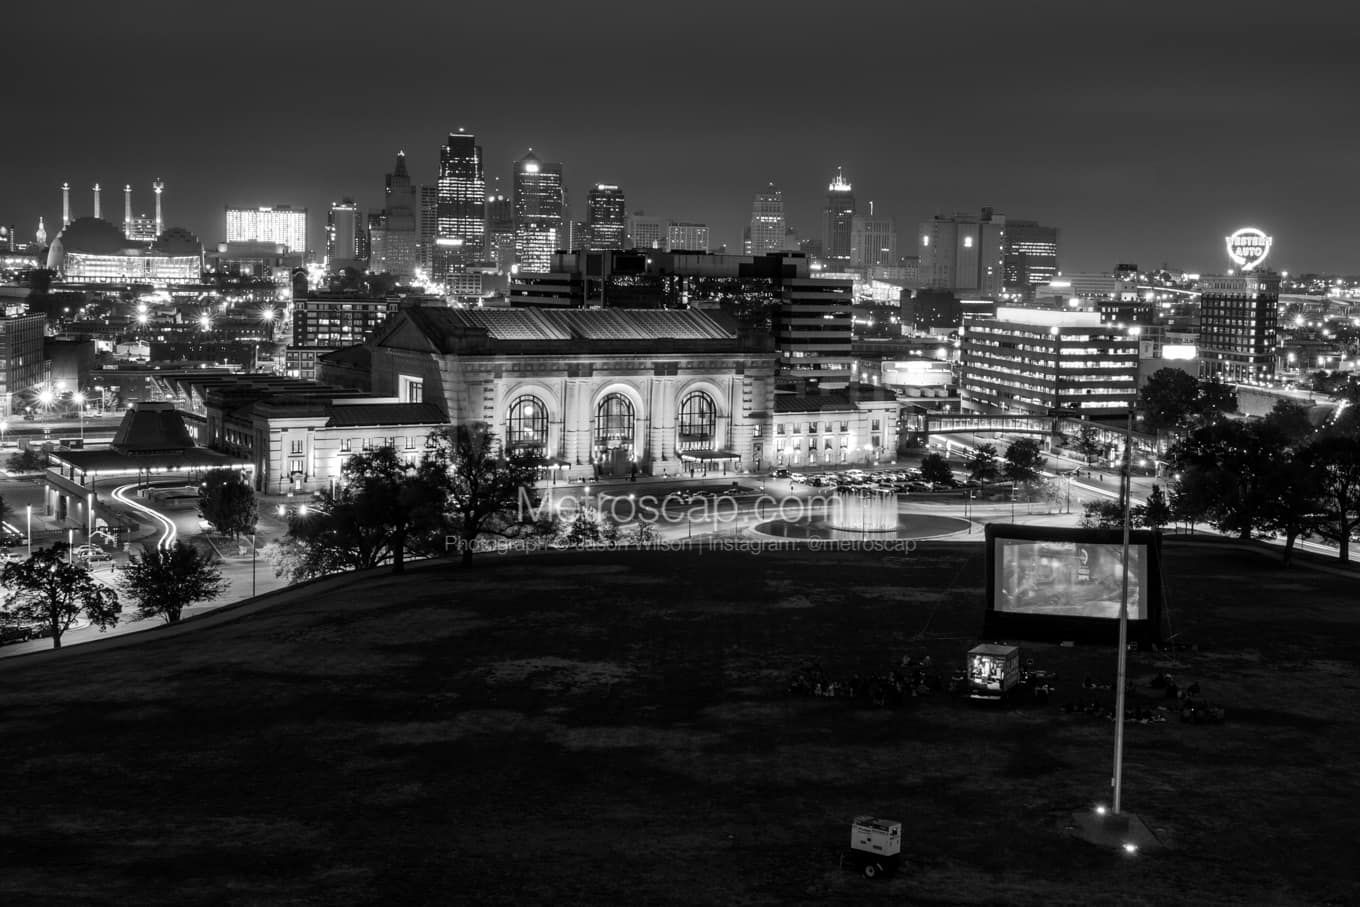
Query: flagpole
x,y
1123,626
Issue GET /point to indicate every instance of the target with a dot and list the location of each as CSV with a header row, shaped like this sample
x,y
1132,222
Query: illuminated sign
x,y
1179,351
1248,247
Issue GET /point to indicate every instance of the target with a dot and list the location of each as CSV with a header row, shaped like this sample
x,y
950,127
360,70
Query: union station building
x,y
595,392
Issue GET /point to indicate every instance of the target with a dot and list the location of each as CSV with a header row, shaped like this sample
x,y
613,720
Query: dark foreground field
x,y
615,729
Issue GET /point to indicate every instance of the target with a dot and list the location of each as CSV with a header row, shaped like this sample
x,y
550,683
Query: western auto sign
x,y
1248,247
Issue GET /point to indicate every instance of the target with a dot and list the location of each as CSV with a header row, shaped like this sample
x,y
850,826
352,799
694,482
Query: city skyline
x,y
1225,121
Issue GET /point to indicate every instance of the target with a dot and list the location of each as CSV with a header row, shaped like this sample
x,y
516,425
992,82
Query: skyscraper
x,y
276,224
500,229
539,214
1238,318
393,235
1031,255
767,222
873,241
646,232
342,235
964,252
462,205
605,217
427,226
837,219
687,237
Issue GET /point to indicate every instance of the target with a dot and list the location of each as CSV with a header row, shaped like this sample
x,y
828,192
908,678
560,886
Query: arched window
x,y
698,417
526,425
614,421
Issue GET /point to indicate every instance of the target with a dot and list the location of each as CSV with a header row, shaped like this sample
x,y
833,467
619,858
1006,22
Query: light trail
x,y
168,538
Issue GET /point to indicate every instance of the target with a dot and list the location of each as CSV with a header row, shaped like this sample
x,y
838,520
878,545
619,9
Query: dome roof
x,y
178,241
92,235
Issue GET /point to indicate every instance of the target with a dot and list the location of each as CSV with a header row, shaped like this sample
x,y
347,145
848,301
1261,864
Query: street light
x,y
4,427
79,399
29,509
89,516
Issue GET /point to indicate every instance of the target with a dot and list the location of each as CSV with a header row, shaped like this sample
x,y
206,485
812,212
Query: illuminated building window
x,y
614,422
527,423
698,417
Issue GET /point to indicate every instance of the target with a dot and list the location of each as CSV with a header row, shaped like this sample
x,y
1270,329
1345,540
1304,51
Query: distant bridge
x,y
981,423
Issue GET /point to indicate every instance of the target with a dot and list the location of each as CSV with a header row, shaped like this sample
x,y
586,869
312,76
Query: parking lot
x,y
906,480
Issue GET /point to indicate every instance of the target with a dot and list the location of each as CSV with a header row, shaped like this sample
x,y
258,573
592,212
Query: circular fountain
x,y
854,515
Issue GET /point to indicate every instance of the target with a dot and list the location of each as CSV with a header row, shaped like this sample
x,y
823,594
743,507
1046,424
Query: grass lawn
x,y
614,728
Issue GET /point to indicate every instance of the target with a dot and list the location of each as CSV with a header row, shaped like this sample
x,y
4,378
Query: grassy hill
x,y
616,728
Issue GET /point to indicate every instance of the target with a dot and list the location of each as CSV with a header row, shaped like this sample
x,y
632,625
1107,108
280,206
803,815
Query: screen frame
x,y
998,624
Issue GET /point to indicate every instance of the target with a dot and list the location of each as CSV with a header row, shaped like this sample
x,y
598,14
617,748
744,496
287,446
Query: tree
x,y
50,590
28,460
1168,399
1156,512
1334,461
1291,419
1088,442
1292,502
226,500
1191,497
584,531
482,485
1024,460
165,581
1102,514
982,463
1215,398
380,508
1236,460
935,469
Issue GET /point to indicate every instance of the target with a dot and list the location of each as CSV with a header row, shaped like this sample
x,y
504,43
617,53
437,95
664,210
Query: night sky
x,y
1145,131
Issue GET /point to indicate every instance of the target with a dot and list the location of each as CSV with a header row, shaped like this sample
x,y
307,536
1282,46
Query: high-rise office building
x,y
767,222
1238,323
646,232
837,221
605,217
1031,255
427,226
21,356
277,224
873,241
682,236
1043,360
342,235
393,236
462,205
500,230
812,330
964,253
539,213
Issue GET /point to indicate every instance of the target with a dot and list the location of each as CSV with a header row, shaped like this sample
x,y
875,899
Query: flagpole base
x,y
1124,832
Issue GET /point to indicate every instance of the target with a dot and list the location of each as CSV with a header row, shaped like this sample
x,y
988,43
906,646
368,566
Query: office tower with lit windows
x,y
1031,255
606,218
1048,361
646,232
393,235
278,224
539,213
461,238
767,228
343,225
500,230
427,226
837,222
812,326
873,241
22,362
682,236
1238,323
323,323
964,253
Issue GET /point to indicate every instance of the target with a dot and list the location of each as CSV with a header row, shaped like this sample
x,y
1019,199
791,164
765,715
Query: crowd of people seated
x,y
911,678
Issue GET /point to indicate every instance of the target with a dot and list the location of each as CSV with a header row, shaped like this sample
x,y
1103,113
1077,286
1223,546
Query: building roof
x,y
384,414
833,401
151,428
533,330
358,356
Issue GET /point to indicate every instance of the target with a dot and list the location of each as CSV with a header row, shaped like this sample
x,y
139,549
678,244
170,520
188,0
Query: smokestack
x,y
65,204
160,222
96,200
127,208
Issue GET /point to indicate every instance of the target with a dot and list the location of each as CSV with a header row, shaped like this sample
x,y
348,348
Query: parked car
x,y
14,632
781,474
98,557
11,557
